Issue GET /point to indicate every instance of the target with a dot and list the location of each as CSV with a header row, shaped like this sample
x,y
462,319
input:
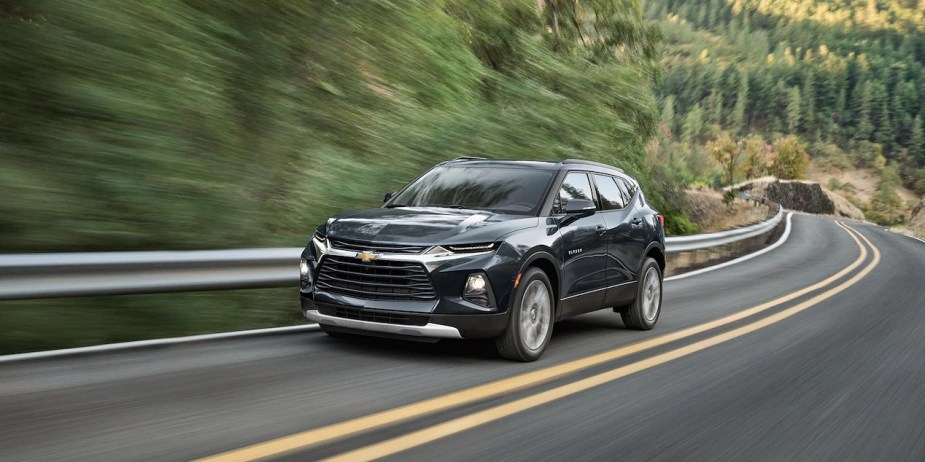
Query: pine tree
x,y
885,133
667,117
793,110
738,111
917,142
693,125
808,102
865,127
715,107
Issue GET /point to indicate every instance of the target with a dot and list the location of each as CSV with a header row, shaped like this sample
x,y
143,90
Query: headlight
x,y
320,237
303,269
476,290
471,248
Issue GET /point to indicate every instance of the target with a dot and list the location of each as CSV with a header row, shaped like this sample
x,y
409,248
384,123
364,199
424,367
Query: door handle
x,y
600,229
636,222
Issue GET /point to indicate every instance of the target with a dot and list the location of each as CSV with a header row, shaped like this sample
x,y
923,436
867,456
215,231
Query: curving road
x,y
814,351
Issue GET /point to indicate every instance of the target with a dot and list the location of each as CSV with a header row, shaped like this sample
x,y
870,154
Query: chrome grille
x,y
357,246
378,279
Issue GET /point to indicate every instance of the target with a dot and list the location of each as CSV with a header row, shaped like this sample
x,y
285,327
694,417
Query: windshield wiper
x,y
392,206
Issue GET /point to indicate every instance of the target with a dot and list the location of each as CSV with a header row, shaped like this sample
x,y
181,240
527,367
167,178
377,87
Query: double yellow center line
x,y
311,438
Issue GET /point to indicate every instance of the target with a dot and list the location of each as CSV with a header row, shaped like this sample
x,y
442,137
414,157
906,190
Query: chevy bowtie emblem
x,y
367,256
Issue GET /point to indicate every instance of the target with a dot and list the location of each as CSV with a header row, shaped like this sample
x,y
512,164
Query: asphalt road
x,y
837,373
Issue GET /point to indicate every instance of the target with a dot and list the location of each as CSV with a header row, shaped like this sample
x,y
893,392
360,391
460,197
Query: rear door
x,y
617,214
583,250
639,236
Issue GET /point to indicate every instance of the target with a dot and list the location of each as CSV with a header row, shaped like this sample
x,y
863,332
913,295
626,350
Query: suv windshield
x,y
498,189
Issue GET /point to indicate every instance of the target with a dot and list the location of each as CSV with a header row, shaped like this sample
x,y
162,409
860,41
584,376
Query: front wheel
x,y
643,313
529,325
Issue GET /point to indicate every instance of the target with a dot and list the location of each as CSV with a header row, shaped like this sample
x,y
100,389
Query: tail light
x,y
661,219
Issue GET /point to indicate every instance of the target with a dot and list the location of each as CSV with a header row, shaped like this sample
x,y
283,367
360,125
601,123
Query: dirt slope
x,y
705,208
917,223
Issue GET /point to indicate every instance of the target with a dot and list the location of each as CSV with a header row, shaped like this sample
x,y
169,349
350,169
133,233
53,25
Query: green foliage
x,y
212,124
681,225
843,73
693,125
757,153
885,203
727,153
791,161
729,196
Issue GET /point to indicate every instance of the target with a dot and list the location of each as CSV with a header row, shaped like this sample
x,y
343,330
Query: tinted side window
x,y
575,186
624,188
611,197
630,186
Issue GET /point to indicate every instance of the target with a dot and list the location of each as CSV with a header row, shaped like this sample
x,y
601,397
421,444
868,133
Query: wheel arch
x,y
657,253
546,262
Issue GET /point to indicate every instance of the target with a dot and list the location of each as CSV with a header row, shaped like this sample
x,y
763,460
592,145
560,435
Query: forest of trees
x,y
197,124
845,76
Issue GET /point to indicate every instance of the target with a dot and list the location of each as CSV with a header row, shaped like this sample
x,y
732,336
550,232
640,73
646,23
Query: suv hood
x,y
425,225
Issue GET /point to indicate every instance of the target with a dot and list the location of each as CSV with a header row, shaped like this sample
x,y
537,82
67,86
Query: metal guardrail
x,y
51,275
704,241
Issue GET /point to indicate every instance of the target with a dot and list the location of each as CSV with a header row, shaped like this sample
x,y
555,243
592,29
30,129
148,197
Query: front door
x,y
583,251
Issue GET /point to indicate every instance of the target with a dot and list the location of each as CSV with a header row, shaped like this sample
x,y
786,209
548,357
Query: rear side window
x,y
575,186
627,188
611,196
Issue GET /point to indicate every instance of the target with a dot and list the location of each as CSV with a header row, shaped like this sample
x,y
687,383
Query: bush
x,y
729,196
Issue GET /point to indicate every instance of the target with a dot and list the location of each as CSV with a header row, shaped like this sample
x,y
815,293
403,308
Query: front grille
x,y
356,246
375,316
378,279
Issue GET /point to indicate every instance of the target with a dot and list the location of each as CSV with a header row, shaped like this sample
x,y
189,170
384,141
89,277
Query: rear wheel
x,y
643,313
530,322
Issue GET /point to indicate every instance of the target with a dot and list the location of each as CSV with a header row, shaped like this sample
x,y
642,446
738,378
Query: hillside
x,y
846,78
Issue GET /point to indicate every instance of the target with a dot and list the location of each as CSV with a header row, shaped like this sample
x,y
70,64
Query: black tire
x,y
512,343
638,314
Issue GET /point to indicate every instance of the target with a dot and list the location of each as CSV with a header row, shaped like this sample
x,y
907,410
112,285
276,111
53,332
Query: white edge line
x,y
310,327
780,242
156,342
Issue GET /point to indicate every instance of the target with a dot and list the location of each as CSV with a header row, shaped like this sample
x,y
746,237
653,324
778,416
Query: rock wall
x,y
804,196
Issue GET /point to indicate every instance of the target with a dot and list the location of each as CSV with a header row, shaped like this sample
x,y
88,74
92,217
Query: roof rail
x,y
590,162
469,158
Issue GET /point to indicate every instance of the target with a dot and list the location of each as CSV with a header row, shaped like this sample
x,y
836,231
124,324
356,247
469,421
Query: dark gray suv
x,y
477,248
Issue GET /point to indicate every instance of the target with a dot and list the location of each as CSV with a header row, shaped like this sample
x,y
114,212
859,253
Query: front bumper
x,y
427,330
448,315
453,326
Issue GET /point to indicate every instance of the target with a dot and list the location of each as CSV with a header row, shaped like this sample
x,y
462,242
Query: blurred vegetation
x,y
845,76
212,124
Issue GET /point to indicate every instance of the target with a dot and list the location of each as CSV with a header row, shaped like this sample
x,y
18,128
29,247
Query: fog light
x,y
476,290
475,284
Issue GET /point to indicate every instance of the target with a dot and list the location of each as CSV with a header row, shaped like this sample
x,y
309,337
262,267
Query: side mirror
x,y
580,207
388,196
